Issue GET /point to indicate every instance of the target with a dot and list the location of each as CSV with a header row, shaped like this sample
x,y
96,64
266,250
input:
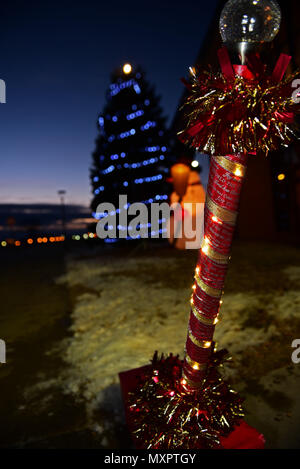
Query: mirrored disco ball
x,y
253,21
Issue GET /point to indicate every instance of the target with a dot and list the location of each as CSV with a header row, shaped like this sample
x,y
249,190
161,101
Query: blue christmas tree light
x,y
132,150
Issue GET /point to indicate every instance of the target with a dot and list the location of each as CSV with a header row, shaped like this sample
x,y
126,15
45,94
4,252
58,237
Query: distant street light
x,y
61,194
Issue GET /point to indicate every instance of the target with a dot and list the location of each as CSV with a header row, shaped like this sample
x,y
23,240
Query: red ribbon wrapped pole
x,y
232,114
223,193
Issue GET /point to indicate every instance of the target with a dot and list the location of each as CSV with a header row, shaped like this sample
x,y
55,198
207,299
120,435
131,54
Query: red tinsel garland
x,y
232,112
164,416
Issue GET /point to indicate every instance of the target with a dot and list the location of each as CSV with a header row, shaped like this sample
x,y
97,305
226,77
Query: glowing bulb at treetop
x,y
250,21
127,68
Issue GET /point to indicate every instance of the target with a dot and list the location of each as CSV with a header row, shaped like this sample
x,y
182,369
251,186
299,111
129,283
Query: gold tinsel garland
x,y
241,114
163,415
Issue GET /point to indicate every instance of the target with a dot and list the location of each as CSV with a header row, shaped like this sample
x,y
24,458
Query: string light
x,y
130,238
148,125
116,88
136,88
205,246
216,220
154,148
99,216
148,179
31,241
133,115
135,111
139,164
126,134
99,189
205,249
108,170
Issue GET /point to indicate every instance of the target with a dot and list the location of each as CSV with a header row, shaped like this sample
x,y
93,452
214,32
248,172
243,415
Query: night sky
x,y
56,59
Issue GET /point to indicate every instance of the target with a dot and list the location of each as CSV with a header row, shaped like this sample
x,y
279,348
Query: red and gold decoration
x,y
220,213
163,416
242,108
231,115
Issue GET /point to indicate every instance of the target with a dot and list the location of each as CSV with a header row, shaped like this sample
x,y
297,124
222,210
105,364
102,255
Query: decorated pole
x,y
226,112
224,187
232,115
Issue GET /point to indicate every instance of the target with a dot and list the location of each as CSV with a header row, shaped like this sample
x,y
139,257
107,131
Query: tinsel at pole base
x,y
160,414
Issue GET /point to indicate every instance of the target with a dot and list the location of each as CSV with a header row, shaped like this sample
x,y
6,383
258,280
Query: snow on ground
x,y
130,309
120,326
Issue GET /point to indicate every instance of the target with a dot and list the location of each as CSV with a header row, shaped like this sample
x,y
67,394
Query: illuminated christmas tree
x,y
131,155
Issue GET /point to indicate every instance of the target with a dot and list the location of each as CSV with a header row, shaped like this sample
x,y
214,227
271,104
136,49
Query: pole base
x,y
242,436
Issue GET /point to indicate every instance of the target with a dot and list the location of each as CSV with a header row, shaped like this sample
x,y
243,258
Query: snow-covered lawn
x,y
133,303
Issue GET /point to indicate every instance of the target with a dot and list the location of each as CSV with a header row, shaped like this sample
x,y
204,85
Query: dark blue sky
x,y
56,58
